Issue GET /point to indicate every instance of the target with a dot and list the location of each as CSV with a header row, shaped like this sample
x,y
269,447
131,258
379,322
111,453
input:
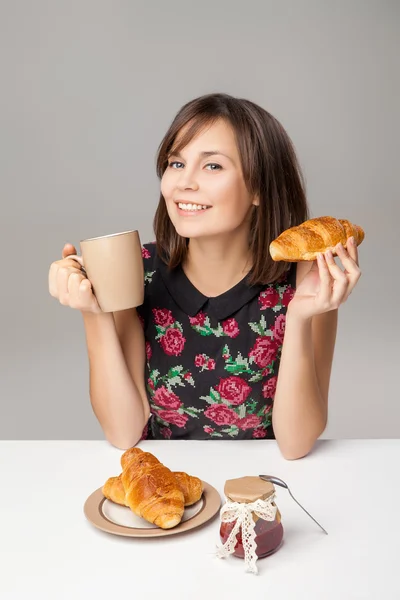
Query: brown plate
x,y
120,520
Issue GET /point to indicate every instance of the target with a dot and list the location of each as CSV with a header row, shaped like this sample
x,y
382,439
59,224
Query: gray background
x,y
88,89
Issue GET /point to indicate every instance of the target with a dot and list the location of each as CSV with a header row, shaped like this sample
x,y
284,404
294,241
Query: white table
x,y
48,549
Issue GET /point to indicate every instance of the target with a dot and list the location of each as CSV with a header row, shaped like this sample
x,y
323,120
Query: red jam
x,y
269,536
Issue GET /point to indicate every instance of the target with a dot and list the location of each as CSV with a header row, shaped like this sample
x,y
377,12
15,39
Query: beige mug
x,y
114,266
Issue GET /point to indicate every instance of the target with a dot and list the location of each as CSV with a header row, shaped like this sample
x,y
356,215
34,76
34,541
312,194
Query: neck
x,y
215,265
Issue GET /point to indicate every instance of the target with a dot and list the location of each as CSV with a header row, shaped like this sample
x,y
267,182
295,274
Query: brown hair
x,y
270,170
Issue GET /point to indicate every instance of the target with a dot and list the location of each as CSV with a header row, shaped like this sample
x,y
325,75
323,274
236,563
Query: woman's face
x,y
203,186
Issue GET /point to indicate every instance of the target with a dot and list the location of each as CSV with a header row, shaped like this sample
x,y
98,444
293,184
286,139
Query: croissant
x,y
191,487
151,490
305,241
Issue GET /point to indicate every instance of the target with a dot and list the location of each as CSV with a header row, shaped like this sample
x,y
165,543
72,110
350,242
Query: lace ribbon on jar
x,y
242,513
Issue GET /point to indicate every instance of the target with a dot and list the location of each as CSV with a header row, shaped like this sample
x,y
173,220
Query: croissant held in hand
x,y
151,490
305,241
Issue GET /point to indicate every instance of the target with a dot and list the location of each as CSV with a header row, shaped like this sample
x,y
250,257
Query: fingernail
x,y
329,254
352,241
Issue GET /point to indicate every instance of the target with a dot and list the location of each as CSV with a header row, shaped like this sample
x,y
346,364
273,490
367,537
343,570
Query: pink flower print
x,y
234,389
163,317
278,329
173,417
287,295
187,376
173,342
268,298
148,351
210,364
166,432
164,397
145,253
150,383
269,387
198,320
231,328
249,422
221,414
259,433
208,429
200,360
263,351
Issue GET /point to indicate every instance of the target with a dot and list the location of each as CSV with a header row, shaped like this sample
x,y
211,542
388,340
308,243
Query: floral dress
x,y
212,363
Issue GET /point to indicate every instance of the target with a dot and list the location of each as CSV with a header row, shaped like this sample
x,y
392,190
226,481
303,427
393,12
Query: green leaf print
x,y
257,377
251,407
192,411
216,396
148,276
175,371
160,331
154,375
225,351
233,430
256,327
204,331
241,411
216,434
173,381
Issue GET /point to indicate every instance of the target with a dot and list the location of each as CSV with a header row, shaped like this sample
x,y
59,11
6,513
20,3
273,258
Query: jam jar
x,y
268,530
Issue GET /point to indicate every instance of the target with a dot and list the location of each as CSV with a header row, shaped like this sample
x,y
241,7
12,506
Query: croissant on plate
x,y
151,490
305,241
191,487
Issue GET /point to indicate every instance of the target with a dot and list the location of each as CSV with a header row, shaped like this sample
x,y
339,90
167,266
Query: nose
x,y
187,181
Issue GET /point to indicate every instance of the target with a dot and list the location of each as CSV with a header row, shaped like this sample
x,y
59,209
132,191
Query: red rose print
x,y
145,432
259,433
145,253
269,387
173,342
210,364
150,383
187,376
166,432
209,429
173,417
163,317
231,328
198,320
268,298
278,329
221,414
287,295
164,397
234,389
249,422
263,351
200,360
148,350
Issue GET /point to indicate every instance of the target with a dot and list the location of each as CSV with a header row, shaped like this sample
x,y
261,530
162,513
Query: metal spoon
x,y
281,483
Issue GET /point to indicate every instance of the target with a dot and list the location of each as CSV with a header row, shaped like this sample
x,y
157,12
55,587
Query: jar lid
x,y
248,489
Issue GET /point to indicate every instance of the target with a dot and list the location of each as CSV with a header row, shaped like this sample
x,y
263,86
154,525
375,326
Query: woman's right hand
x,y
70,285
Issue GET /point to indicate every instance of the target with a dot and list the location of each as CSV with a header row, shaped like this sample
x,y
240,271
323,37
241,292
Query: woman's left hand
x,y
326,286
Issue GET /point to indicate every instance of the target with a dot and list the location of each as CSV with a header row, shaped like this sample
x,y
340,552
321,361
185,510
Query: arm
x,y
301,399
117,391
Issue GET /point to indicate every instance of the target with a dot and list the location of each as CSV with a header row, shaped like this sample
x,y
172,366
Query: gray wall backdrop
x,y
88,88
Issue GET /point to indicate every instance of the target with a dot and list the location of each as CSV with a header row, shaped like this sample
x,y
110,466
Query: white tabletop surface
x,y
49,550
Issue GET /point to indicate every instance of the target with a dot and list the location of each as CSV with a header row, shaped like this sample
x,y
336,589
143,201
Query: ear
x,y
256,201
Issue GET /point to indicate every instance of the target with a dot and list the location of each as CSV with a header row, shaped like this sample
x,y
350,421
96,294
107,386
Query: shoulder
x,y
149,251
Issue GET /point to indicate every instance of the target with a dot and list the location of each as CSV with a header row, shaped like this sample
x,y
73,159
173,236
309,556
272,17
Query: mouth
x,y
191,208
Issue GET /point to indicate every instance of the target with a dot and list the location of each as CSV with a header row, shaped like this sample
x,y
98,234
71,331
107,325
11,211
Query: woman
x,y
200,358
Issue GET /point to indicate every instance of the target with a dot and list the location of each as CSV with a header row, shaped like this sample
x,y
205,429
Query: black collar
x,y
191,301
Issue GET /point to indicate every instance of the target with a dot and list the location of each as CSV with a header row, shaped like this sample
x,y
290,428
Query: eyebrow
x,y
204,154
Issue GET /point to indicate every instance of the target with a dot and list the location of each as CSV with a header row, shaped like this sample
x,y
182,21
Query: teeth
x,y
192,207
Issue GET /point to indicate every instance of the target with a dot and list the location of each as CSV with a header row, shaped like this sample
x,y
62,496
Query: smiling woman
x,y
232,344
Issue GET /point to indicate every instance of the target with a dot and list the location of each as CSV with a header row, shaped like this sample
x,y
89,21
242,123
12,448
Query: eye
x,y
217,167
174,162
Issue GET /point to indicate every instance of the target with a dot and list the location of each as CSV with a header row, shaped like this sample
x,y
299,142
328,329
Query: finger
x,y
68,249
63,274
325,288
352,249
348,261
340,283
